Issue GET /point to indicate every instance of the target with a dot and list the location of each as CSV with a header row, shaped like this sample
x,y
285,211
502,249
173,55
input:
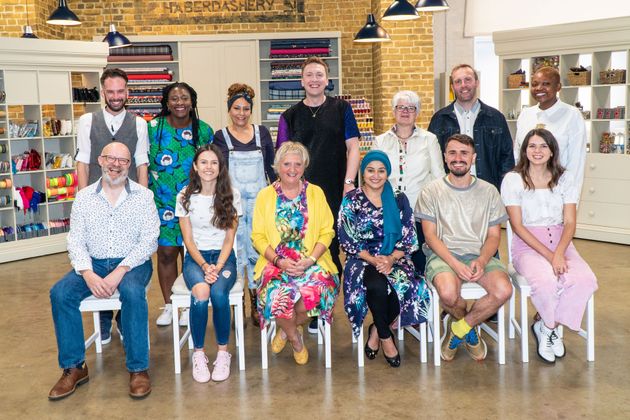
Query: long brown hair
x,y
224,212
553,164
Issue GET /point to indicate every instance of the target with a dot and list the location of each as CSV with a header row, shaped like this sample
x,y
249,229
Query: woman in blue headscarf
x,y
376,231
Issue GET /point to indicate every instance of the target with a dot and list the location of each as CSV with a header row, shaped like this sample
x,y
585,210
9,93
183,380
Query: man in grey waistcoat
x,y
95,131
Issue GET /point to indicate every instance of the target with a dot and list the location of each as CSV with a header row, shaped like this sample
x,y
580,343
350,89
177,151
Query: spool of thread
x,y
6,183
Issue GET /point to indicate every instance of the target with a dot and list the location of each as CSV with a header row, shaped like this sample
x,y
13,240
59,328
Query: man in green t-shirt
x,y
461,220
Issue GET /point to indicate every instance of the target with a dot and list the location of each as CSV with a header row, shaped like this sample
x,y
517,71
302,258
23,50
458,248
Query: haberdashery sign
x,y
232,11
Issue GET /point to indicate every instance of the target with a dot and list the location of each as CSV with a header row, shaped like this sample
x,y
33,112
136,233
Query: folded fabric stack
x,y
300,48
286,69
275,110
141,53
145,89
290,89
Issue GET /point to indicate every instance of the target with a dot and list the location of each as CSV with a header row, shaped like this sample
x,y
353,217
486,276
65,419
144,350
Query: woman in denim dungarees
x,y
249,151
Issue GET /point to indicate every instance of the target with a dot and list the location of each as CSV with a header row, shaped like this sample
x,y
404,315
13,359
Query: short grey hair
x,y
290,147
408,95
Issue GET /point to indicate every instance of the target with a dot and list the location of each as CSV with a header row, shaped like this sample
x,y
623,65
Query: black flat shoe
x,y
393,361
369,352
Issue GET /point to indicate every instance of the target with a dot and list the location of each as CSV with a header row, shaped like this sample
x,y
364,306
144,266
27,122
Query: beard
x,y
116,108
459,172
115,182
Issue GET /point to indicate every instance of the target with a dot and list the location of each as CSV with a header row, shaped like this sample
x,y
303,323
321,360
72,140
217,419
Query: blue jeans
x,y
66,296
219,296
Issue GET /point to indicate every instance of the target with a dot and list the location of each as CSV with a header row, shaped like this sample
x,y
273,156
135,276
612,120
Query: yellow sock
x,y
460,328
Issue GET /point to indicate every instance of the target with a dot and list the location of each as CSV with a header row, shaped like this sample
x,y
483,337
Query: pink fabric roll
x,y
558,299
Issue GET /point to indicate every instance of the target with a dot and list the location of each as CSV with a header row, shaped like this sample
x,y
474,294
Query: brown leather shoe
x,y
70,379
139,384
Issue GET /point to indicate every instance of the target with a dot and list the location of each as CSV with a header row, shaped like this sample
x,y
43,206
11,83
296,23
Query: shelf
x,y
85,103
66,136
297,59
608,85
6,208
281,100
607,119
61,169
292,80
37,171
24,138
52,203
127,63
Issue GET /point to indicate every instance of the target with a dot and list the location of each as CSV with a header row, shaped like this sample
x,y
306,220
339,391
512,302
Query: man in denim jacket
x,y
486,125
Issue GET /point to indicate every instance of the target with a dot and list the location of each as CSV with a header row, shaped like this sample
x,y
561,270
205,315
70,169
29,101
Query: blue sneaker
x,y
475,345
450,342
106,334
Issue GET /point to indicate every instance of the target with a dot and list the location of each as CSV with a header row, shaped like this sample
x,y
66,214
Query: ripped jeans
x,y
219,297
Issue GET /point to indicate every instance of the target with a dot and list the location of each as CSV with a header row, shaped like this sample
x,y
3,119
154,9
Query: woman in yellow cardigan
x,y
291,230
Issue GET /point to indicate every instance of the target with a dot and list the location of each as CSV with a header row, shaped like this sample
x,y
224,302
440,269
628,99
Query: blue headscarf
x,y
392,227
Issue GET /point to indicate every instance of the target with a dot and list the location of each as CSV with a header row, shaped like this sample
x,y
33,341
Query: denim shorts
x,y
193,273
436,265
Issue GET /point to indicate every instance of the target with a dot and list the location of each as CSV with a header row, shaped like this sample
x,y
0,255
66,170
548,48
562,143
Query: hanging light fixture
x,y
28,31
400,10
431,5
114,38
372,32
63,16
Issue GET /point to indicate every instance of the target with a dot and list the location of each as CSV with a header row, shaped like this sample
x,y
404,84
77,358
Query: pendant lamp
x,y
401,10
372,32
28,31
115,39
431,5
63,16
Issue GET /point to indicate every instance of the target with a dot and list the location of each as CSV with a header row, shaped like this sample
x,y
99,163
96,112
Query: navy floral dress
x,y
360,227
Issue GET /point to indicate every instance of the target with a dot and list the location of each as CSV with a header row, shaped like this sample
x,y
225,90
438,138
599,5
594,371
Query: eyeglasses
x,y
405,108
112,159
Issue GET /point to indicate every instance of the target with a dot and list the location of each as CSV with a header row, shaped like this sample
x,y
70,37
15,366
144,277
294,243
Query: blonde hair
x,y
289,147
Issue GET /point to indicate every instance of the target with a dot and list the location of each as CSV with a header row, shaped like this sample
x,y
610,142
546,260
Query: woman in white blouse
x,y
415,156
541,199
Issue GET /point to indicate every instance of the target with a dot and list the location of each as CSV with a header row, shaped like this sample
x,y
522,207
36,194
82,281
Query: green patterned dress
x,y
171,153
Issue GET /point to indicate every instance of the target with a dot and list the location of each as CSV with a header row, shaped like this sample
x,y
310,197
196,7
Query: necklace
x,y
314,113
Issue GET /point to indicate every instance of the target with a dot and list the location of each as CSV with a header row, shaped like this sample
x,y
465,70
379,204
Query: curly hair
x,y
164,112
225,215
553,164
240,87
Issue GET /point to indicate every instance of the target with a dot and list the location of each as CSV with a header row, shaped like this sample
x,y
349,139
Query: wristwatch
x,y
348,181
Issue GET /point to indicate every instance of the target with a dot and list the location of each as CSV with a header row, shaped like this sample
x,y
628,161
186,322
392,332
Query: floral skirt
x,y
278,292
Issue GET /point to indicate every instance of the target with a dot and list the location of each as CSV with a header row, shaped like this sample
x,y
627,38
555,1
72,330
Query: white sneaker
x,y
200,370
558,345
166,317
545,341
184,317
221,369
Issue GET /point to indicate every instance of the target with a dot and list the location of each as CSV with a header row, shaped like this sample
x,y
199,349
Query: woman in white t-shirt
x,y
541,200
208,210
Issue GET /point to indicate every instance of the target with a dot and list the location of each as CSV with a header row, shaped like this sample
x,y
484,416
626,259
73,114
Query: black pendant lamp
x,y
115,39
431,5
372,32
400,10
63,16
28,31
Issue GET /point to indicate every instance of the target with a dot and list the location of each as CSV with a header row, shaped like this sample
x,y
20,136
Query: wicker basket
x,y
579,78
612,77
515,80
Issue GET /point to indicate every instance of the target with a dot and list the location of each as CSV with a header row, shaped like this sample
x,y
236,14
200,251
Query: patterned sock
x,y
460,328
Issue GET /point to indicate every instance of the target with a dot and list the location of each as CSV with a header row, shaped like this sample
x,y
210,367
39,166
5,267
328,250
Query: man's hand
x,y
113,279
96,284
462,270
477,267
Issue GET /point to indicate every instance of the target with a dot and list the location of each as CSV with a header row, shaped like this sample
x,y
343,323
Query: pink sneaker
x,y
200,370
221,369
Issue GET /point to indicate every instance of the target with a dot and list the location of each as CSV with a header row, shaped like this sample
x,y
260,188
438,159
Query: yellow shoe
x,y
301,357
277,342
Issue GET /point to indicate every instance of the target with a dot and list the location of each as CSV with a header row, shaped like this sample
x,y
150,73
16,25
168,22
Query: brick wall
x,y
373,71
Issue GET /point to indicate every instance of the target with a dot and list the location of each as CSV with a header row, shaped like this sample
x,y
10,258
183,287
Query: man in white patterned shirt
x,y
113,233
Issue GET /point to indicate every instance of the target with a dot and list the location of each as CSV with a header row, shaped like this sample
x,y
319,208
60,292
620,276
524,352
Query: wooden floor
x,y
573,388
